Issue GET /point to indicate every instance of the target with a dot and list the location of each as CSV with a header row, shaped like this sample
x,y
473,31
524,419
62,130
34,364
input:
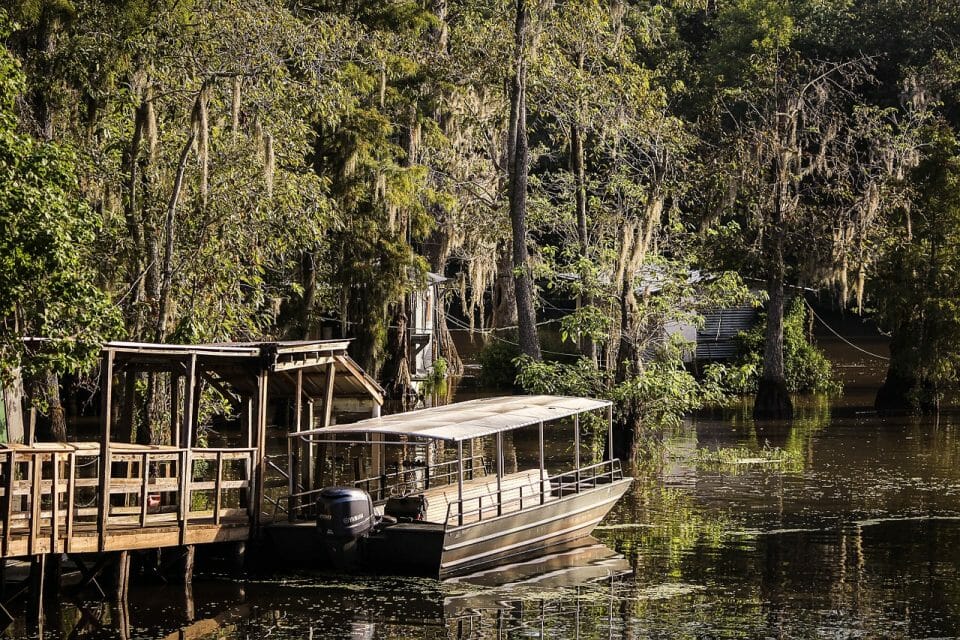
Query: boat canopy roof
x,y
466,420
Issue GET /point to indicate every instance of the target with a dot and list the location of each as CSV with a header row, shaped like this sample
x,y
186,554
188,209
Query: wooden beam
x,y
328,395
189,402
175,408
8,500
260,423
375,392
305,363
106,412
129,406
294,445
71,493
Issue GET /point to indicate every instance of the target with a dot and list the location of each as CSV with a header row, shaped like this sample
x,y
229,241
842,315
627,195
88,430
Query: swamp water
x,y
839,525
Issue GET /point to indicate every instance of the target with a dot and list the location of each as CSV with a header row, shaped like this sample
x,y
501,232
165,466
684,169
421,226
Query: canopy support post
x,y
576,452
543,470
610,432
499,455
460,482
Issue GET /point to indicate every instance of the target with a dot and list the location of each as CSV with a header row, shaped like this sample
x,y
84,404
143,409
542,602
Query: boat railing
x,y
302,504
491,505
444,473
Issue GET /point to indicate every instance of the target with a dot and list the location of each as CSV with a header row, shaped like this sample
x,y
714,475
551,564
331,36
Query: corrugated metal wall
x,y
717,339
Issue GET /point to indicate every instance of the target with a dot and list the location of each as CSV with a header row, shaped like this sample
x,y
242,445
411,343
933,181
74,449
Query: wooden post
x,y
175,409
121,576
144,488
129,404
103,506
36,478
54,502
328,395
32,430
184,573
183,493
291,480
71,498
217,489
310,465
53,576
8,500
35,604
189,398
261,448
293,449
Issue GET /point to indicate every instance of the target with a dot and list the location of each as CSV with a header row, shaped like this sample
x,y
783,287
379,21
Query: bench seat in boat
x,y
481,493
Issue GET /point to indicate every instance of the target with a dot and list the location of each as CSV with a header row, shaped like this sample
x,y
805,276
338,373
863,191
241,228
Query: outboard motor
x,y
345,516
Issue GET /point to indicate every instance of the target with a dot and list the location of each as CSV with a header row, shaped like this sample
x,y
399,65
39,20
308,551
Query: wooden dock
x,y
111,497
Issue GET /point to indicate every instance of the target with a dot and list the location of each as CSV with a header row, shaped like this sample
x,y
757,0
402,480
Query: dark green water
x,y
855,533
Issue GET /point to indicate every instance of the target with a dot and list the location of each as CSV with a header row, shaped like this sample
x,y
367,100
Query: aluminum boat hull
x,y
491,542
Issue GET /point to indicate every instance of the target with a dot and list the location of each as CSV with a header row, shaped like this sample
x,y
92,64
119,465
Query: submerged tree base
x,y
904,394
773,401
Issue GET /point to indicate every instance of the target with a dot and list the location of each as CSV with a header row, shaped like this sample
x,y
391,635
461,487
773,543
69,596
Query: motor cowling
x,y
345,512
344,517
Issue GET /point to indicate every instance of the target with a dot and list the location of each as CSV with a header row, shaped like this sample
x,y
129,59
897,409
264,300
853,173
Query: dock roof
x,y
237,363
466,420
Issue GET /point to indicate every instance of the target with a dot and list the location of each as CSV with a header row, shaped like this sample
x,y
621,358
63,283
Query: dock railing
x,y
51,500
496,503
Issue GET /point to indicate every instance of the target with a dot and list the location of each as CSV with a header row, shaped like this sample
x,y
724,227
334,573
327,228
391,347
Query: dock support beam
x,y
121,577
106,389
38,570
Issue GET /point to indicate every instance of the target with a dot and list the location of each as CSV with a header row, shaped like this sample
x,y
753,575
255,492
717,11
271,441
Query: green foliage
x,y
663,389
47,287
807,368
581,378
497,368
586,322
917,289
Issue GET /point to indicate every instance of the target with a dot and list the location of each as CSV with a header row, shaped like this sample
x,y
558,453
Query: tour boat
x,y
452,489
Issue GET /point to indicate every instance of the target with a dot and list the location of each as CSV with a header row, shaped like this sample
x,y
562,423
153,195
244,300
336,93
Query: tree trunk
x,y
773,399
578,166
504,290
13,404
58,419
517,151
45,46
170,234
308,280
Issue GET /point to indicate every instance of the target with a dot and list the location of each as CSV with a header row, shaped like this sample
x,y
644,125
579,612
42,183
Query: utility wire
x,y
831,330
